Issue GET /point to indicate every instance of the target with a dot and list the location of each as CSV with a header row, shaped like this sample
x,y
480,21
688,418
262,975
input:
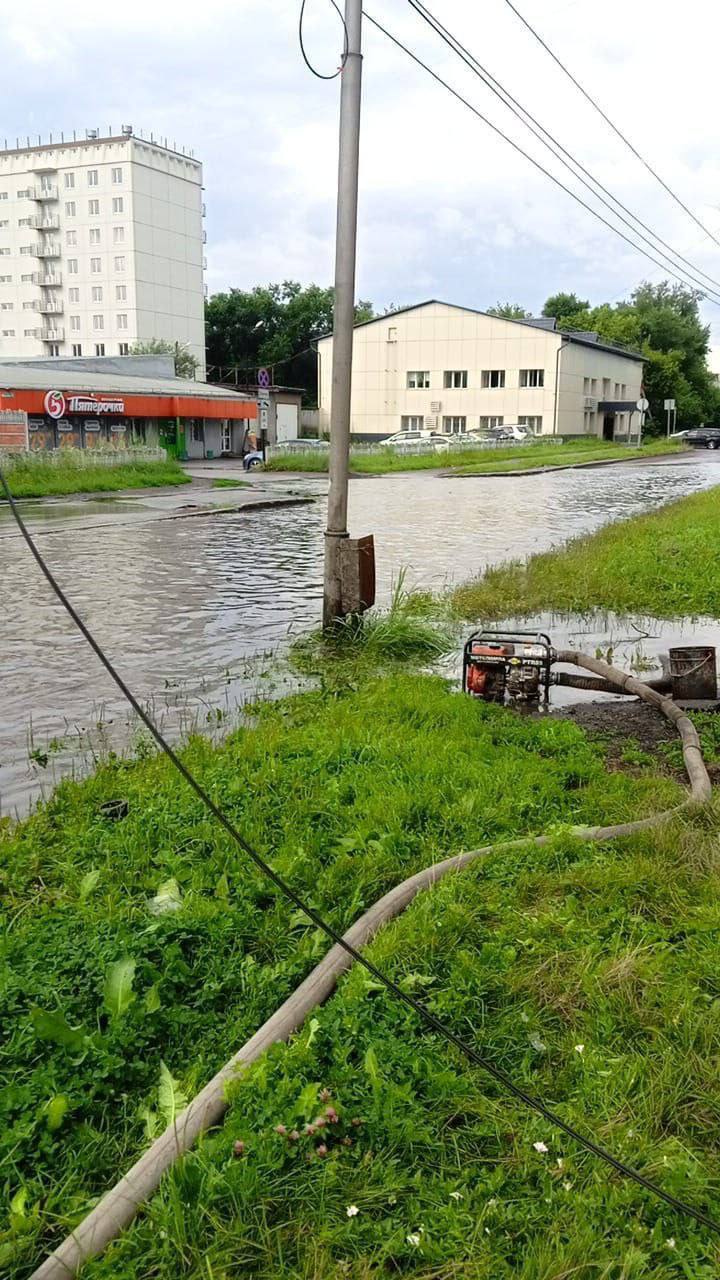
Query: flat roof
x,y
546,323
58,144
24,378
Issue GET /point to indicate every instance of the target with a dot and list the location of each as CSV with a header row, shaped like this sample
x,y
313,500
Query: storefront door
x,y
226,442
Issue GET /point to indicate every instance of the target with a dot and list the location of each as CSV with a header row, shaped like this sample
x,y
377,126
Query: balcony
x,y
48,307
47,279
49,250
45,222
46,191
52,335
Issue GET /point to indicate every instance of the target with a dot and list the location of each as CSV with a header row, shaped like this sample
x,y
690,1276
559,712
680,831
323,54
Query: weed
x,y
33,476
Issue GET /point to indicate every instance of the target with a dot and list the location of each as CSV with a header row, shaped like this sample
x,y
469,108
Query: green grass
x,y
348,790
472,461
662,565
33,476
224,482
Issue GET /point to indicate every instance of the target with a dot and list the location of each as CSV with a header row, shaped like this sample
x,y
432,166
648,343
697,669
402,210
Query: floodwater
x,y
187,608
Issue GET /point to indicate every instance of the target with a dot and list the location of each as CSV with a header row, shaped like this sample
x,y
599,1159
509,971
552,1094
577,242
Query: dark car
x,y
704,437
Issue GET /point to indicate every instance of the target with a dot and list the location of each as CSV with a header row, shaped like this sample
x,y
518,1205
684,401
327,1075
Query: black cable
x,y
535,1104
554,146
525,154
305,58
613,126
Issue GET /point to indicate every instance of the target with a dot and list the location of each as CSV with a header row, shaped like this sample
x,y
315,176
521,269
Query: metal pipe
x,y
344,313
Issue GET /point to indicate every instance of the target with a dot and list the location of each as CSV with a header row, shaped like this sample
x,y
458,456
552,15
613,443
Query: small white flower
x,y
487,1231
540,1146
579,1048
413,1238
524,1017
538,1044
670,1243
567,1185
560,1162
392,1199
352,1211
491,1203
456,1195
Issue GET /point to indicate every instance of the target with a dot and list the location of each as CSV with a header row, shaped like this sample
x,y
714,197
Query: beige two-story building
x,y
450,369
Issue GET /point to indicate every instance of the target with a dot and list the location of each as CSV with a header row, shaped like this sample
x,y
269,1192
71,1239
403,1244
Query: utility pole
x,y
336,533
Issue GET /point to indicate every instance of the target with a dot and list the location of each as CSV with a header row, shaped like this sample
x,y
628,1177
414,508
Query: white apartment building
x,y
450,369
101,246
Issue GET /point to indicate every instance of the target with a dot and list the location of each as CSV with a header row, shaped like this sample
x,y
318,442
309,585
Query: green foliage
x,y
360,785
186,364
659,565
273,325
34,476
560,305
509,311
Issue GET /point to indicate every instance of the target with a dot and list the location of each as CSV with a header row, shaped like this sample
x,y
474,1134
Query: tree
x,y
509,311
186,363
273,325
560,305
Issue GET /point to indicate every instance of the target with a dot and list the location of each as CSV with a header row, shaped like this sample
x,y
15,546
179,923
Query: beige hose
x,y
118,1207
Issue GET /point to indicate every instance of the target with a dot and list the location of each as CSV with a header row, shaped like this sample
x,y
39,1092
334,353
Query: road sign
x,y
643,405
669,404
263,402
263,377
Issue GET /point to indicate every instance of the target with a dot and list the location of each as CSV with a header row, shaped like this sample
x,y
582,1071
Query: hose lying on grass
x,y
119,1206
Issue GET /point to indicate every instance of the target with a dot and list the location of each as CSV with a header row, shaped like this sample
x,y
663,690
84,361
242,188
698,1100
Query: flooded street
x,y
182,605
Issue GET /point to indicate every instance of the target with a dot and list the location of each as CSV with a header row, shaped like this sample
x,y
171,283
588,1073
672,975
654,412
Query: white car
x,y
409,440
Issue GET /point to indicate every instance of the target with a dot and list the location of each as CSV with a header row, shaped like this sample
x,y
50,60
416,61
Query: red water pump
x,y
512,664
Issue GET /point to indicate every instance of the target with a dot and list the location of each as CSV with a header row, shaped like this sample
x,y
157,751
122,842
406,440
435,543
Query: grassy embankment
x,y
663,564
34,476
589,973
474,461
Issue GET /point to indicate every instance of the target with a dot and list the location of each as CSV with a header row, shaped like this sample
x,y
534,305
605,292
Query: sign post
x,y
642,407
671,411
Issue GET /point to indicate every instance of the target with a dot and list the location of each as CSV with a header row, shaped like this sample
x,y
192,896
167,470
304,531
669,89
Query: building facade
x,y
449,369
101,246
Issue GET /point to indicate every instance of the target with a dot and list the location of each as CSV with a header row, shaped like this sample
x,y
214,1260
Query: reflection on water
x,y
184,602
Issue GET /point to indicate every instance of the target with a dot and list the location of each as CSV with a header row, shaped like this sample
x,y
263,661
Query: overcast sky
x,y
447,210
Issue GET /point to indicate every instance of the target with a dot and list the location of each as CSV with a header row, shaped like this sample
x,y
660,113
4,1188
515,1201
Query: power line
x,y
442,1029
613,126
305,58
555,147
525,154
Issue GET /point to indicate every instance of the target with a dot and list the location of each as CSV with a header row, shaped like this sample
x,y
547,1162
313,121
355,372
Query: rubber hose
x,y
595,685
118,1207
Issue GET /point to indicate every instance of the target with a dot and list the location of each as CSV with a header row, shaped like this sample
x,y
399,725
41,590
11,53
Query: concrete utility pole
x,y
336,533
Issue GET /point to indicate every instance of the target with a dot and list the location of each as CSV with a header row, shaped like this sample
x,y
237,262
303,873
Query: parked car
x,y
415,440
253,459
704,437
508,432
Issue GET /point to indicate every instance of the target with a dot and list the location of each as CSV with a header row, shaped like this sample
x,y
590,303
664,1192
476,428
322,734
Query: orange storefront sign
x,y
131,406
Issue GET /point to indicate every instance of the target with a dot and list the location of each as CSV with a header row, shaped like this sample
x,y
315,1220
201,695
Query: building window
x,y
623,391
493,378
92,177
99,348
93,208
26,279
6,306
73,295
72,266
118,204
8,333
96,266
98,322
392,334
606,388
54,348
96,293
124,348
5,279
3,195
617,390
197,433
487,423
586,386
120,263
71,237
77,348
120,292
418,378
532,377
411,422
533,423
94,235
22,222
29,306
454,426
455,378
69,181
5,252
29,333
27,248
118,235
593,386
122,321
5,222
25,194
117,176
74,322
70,208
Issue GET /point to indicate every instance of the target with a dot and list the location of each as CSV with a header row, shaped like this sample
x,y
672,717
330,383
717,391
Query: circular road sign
x,y
54,404
643,405
263,377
